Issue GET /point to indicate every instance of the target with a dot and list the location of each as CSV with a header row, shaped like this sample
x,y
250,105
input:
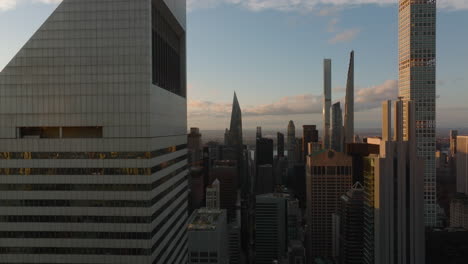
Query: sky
x,y
270,52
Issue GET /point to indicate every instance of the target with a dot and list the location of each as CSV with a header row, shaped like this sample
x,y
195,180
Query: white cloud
x,y
345,36
323,7
6,5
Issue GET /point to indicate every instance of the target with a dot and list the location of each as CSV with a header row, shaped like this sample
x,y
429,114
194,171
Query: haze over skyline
x,y
271,53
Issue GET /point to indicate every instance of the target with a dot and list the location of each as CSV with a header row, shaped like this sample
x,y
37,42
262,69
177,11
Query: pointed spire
x,y
349,103
235,130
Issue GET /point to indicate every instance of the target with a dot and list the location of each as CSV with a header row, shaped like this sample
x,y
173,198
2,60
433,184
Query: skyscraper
x,y
453,143
309,135
194,145
270,228
291,144
264,151
327,82
235,130
280,144
349,103
393,187
337,128
417,82
259,132
462,164
96,159
329,176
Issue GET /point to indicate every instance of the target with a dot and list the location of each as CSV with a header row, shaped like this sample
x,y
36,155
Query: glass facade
x,y
417,82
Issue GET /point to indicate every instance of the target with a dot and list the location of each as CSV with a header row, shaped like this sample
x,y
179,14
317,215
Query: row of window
x,y
331,170
91,171
91,155
91,203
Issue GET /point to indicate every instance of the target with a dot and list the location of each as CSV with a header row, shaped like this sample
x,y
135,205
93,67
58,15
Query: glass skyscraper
x,y
417,82
93,132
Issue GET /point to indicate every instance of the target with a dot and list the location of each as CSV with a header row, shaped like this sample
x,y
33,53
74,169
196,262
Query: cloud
x,y
345,36
365,99
6,5
323,7
331,27
372,97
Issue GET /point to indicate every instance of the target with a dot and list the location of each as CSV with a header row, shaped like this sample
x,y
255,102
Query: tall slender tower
x,y
291,144
349,103
417,82
326,102
337,128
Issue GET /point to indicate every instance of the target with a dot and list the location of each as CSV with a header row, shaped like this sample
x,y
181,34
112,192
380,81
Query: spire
x,y
349,103
235,130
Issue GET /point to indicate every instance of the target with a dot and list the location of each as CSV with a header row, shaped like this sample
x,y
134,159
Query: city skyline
x,y
310,31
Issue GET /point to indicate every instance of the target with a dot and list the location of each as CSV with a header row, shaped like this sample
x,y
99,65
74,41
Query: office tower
x,y
309,134
280,170
96,159
337,128
327,83
360,151
226,137
196,183
459,211
194,145
447,246
265,182
349,104
259,132
270,228
235,130
291,144
298,151
453,142
462,164
226,172
208,237
328,177
393,186
294,219
234,229
417,82
350,234
264,151
280,145
313,147
213,195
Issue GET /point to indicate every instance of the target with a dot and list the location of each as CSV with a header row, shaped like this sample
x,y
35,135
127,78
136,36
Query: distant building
x,y
350,231
226,172
298,152
314,147
447,246
196,188
309,135
280,145
337,129
462,164
291,144
194,145
208,237
329,176
259,132
459,211
213,195
393,187
264,151
453,143
359,151
265,182
235,255
327,95
270,228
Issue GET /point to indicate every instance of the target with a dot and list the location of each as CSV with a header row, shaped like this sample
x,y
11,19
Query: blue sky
x,y
271,51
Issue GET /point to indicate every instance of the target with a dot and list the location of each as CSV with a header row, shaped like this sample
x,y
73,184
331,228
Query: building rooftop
x,y
205,219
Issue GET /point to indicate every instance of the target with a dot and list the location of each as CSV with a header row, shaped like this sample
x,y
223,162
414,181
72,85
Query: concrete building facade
x,y
93,135
327,96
